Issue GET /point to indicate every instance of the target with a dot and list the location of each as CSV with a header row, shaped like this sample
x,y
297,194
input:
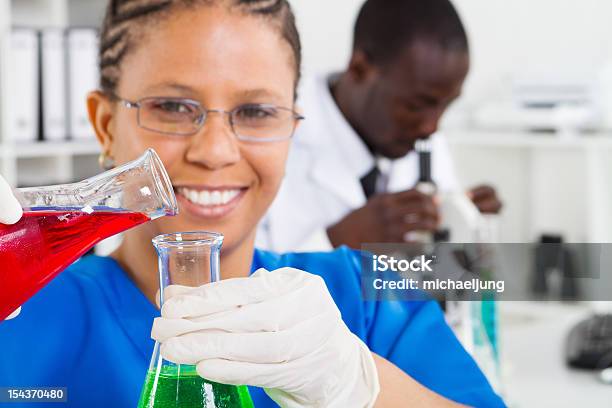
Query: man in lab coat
x,y
352,167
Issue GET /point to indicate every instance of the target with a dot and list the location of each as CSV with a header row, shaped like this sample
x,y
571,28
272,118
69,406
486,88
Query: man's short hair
x,y
385,28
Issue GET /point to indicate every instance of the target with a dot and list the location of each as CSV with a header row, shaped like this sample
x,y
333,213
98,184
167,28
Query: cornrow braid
x,y
124,18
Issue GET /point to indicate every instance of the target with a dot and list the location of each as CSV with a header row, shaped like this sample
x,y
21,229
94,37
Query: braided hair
x,y
124,18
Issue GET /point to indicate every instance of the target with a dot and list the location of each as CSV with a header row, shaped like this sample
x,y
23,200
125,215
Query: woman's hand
x,y
10,210
14,314
278,330
10,213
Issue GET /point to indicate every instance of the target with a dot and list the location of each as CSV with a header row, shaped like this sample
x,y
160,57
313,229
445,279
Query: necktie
x,y
368,182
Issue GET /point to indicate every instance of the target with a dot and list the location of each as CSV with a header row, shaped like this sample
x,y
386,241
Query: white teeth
x,y
204,197
216,197
209,198
225,196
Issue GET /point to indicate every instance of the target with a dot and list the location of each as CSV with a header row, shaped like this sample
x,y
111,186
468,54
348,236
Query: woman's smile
x,y
206,201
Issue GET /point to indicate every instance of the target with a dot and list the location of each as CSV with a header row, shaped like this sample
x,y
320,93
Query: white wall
x,y
550,36
326,27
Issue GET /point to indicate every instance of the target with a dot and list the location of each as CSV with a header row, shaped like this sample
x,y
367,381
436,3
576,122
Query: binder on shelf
x,y
54,86
82,78
23,87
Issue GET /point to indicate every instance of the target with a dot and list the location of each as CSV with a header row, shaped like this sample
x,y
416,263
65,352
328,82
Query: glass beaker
x,y
188,259
61,223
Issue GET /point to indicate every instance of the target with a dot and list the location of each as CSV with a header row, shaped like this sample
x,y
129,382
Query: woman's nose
x,y
215,146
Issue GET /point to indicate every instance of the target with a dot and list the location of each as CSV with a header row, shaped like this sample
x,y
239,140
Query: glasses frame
x,y
204,115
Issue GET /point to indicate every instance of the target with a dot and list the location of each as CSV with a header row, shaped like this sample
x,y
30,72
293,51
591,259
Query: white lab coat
x,y
326,162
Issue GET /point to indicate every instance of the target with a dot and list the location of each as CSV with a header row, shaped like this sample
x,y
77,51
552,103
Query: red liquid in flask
x,y
44,243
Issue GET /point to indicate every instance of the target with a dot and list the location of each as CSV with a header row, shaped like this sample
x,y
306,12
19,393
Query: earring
x,y
105,161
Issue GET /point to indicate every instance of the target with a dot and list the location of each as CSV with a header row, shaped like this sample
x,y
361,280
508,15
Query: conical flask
x,y
61,223
188,259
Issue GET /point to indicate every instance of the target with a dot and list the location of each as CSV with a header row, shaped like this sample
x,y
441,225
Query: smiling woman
x,y
210,85
201,59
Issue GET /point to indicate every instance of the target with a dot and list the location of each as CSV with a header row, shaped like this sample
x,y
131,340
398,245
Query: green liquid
x,y
181,386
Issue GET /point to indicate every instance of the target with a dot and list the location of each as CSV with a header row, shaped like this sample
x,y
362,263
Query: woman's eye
x,y
255,112
174,107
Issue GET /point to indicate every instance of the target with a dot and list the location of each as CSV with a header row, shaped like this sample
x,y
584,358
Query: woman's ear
x,y
300,112
100,111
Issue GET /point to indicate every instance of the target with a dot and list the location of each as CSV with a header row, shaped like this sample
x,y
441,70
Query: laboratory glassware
x,y
61,223
187,259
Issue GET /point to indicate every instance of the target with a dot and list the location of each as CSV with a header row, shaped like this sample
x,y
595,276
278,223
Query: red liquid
x,y
44,243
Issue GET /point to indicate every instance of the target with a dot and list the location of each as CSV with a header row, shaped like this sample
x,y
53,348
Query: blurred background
x,y
553,55
535,121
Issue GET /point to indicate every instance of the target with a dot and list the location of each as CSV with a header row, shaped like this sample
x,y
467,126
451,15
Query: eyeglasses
x,y
259,123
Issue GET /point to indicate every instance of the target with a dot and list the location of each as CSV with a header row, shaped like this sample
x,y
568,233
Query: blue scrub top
x,y
89,330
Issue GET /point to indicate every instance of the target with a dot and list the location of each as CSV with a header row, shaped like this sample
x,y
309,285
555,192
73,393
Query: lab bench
x,y
534,372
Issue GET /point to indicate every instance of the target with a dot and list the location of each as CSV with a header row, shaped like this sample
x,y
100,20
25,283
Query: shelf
x,y
518,139
49,149
38,13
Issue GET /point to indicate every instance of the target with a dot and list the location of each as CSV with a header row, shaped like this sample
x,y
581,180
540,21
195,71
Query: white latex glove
x,y
10,213
10,210
14,314
278,330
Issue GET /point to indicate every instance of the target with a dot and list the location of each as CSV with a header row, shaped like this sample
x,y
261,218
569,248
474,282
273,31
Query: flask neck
x,y
188,259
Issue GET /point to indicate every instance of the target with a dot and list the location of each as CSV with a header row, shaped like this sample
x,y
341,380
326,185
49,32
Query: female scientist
x,y
193,80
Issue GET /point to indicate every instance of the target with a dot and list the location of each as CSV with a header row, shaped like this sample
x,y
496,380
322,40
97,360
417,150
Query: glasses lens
x,y
265,122
171,116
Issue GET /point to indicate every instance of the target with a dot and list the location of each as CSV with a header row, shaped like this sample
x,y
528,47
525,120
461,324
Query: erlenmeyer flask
x,y
188,259
61,223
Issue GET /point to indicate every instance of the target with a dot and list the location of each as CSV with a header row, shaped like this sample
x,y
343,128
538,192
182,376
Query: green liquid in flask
x,y
183,387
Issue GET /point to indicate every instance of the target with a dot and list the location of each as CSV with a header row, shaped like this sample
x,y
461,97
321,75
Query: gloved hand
x,y
14,314
10,210
10,213
278,330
